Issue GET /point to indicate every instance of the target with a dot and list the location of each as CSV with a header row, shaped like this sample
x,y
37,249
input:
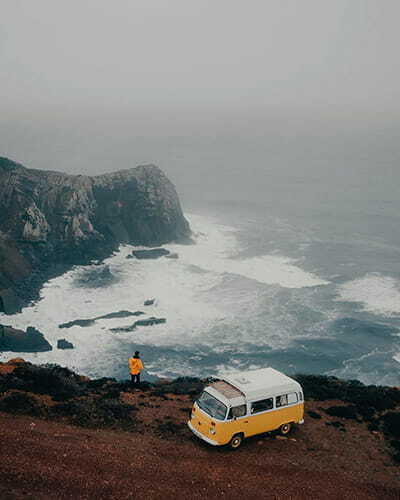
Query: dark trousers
x,y
135,379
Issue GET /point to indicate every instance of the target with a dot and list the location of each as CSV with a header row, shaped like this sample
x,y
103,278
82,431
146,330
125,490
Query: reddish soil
x,y
42,459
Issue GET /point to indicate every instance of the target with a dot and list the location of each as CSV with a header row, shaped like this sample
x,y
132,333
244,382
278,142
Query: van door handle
x,y
246,421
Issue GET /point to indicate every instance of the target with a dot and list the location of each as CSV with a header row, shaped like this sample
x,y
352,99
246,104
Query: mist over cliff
x,y
51,220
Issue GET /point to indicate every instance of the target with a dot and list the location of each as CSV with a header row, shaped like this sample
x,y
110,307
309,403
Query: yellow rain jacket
x,y
135,365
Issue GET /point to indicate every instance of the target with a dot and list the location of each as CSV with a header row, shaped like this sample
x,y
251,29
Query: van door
x,y
237,422
261,417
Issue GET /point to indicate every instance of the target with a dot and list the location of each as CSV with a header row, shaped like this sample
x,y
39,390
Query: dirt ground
x,y
42,459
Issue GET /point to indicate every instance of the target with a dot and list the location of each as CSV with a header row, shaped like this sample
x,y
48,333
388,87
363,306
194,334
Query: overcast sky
x,y
70,64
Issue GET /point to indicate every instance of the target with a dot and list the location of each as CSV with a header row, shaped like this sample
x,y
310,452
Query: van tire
x,y
236,441
284,429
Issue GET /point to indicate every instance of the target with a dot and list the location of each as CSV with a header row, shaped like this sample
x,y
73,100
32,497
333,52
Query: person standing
x,y
135,366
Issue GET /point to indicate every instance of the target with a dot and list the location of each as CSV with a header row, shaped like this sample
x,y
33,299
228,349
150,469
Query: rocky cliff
x,y
51,220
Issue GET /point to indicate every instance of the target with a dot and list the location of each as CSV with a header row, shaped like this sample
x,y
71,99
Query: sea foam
x,y
187,292
377,293
216,250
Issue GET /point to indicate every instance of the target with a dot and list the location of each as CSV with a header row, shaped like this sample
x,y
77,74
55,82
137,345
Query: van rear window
x,y
286,399
212,406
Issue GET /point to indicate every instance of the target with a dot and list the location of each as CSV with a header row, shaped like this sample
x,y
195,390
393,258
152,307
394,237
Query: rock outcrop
x,y
90,321
153,253
64,344
141,322
14,340
50,221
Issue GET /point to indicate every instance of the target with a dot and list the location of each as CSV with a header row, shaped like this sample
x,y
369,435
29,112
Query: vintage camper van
x,y
247,403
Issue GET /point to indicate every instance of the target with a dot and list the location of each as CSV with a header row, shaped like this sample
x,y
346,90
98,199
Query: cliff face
x,y
51,220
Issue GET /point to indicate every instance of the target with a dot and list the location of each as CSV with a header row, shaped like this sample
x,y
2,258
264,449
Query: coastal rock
x,y
91,321
120,314
64,344
15,340
141,322
50,221
77,322
153,253
149,302
150,321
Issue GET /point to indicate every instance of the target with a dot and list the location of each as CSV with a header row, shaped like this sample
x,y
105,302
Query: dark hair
x,y
137,353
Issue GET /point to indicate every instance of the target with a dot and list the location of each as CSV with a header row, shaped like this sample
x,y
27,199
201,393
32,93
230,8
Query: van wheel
x,y
236,441
285,429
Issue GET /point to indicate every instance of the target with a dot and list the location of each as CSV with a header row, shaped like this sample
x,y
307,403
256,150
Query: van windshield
x,y
212,406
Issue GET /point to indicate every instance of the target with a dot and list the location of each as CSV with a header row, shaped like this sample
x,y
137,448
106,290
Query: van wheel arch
x,y
236,441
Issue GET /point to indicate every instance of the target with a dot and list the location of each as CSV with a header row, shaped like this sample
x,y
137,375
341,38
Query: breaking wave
x,y
377,293
207,295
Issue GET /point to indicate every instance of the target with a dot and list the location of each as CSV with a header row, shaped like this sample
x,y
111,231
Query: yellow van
x,y
247,403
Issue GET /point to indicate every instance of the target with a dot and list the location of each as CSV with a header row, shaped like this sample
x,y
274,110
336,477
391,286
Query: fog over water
x,y
279,124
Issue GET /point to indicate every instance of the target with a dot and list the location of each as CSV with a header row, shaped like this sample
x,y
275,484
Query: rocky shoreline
x,y
31,340
50,221
14,340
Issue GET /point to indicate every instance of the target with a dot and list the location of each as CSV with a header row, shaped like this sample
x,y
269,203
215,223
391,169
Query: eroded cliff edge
x,y
51,220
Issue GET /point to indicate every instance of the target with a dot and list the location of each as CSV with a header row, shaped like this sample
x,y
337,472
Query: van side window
x,y
286,399
262,405
237,411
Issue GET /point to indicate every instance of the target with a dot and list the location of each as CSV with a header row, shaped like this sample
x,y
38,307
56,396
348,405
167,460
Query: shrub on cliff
x,y
349,412
179,386
58,382
391,423
21,403
90,412
321,387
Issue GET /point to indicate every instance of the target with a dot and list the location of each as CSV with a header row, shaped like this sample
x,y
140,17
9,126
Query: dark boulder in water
x,y
118,329
91,321
149,302
150,321
153,253
77,322
141,322
120,314
64,344
15,340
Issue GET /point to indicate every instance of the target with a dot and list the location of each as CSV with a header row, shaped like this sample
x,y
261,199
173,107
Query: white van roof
x,y
255,384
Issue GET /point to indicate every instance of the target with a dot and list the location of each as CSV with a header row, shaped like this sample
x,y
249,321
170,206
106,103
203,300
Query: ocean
x,y
292,267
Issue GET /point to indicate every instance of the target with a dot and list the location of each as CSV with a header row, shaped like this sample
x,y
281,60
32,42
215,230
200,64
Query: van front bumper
x,y
201,436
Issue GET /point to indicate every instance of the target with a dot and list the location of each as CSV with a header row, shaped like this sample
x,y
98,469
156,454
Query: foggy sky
x,y
84,81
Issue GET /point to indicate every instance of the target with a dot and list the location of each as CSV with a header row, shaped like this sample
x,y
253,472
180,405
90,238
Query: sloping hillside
x,y
64,436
